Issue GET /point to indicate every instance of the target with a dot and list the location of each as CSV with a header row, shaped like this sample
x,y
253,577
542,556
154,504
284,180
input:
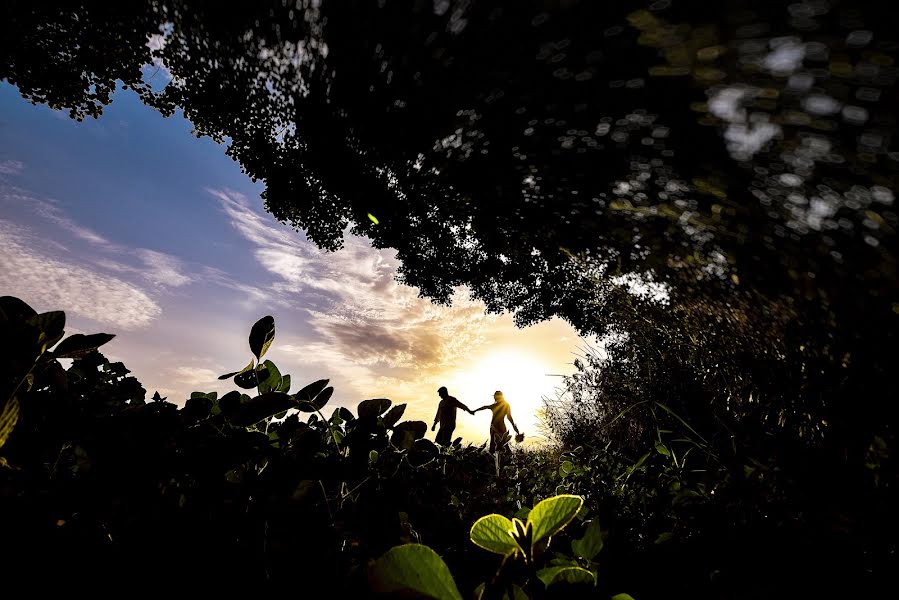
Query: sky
x,y
133,226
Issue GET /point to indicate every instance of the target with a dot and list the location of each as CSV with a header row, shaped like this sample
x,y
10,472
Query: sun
x,y
523,381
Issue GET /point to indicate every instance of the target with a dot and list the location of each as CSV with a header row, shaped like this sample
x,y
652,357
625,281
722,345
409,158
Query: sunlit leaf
x,y
413,571
551,515
575,575
262,335
8,419
494,533
272,377
373,219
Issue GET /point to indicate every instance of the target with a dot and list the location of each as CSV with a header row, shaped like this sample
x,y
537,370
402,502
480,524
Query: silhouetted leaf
x,y
393,415
318,402
551,515
14,309
413,571
372,408
261,407
589,545
262,335
246,380
405,434
423,452
51,325
78,344
312,390
494,533
244,370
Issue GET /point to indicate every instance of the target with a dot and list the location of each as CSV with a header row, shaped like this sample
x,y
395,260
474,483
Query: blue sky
x,y
133,226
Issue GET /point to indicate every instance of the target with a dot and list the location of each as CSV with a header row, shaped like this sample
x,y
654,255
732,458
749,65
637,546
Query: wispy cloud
x,y
49,283
157,268
11,167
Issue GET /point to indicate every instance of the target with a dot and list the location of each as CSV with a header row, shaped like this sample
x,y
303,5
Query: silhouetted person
x,y
446,416
499,435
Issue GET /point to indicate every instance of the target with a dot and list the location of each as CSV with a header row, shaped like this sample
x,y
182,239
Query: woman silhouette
x,y
499,435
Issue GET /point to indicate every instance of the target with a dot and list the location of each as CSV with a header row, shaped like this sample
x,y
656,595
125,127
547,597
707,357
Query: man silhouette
x,y
446,416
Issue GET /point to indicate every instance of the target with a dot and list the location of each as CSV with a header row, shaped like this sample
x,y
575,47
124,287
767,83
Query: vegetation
x,y
707,189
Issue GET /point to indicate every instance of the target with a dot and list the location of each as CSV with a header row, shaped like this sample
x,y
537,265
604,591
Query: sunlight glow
x,y
523,381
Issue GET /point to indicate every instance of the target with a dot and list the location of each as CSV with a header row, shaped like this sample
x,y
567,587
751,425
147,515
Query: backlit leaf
x,y
494,533
551,515
413,571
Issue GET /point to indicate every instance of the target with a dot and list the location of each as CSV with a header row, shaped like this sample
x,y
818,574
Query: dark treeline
x,y
561,159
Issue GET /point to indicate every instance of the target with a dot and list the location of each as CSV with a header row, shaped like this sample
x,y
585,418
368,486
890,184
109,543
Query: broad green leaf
x,y
262,335
273,379
662,449
494,533
284,386
553,575
372,408
405,434
413,570
8,419
318,402
589,545
51,325
244,370
79,344
566,467
622,597
551,515
393,415
312,390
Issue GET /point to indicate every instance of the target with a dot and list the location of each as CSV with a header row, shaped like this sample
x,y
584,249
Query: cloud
x,y
162,269
11,167
157,268
51,283
195,376
363,323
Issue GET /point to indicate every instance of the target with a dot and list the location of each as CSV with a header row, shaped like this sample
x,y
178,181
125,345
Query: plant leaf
x,y
51,325
393,415
405,434
553,575
272,378
312,390
12,308
422,452
372,408
494,533
318,402
261,407
8,419
246,380
551,515
413,570
79,344
262,335
589,545
622,597
244,370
